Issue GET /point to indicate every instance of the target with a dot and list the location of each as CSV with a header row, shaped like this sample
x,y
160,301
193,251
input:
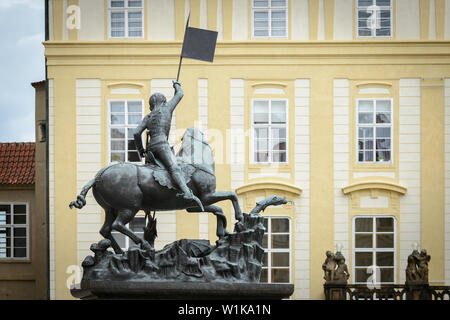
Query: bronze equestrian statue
x,y
123,189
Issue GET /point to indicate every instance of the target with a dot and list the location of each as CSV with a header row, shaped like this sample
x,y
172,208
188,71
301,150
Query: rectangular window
x,y
126,18
270,130
269,18
125,116
374,18
137,226
374,249
14,231
277,248
374,126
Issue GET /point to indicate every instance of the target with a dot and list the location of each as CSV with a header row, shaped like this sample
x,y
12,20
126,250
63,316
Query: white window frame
x,y
13,225
269,10
126,10
269,250
374,250
373,31
128,241
269,126
126,126
374,126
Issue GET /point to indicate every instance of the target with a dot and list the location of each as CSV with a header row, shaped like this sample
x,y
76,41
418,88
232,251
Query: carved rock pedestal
x,y
184,269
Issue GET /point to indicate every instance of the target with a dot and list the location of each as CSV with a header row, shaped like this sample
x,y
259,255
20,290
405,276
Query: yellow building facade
x,y
342,106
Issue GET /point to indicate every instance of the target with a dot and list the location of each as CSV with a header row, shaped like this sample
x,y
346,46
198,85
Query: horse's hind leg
x,y
119,224
221,219
106,229
224,195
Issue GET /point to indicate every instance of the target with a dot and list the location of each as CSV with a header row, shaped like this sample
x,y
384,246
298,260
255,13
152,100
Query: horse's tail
x,y
81,198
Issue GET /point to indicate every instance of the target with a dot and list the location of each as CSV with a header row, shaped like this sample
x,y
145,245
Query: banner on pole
x,y
199,44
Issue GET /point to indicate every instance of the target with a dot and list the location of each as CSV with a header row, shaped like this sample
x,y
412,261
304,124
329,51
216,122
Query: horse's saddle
x,y
188,160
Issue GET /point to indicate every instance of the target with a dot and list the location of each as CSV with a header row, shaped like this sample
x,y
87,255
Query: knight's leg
x,y
224,195
166,156
221,219
105,231
124,217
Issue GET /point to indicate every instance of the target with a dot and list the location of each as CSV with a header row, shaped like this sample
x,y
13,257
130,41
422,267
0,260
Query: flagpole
x,y
181,55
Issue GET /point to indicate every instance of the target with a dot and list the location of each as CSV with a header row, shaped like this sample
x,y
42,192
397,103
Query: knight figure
x,y
158,122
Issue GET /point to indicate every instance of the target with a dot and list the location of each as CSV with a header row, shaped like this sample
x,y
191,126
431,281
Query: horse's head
x,y
195,149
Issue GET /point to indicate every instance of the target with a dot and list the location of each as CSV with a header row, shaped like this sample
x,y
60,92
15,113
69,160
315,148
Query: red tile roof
x,y
17,163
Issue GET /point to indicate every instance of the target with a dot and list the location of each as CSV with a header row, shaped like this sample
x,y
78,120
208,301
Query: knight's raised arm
x,y
177,96
138,136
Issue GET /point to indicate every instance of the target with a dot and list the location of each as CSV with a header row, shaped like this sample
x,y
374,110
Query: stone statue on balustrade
x,y
335,269
417,267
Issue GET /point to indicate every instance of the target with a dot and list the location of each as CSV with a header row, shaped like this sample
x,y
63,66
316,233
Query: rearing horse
x,y
122,189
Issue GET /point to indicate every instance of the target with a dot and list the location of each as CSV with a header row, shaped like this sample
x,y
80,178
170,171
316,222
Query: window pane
x,y
20,242
383,144
278,3
387,274
261,33
383,106
280,275
279,33
385,259
117,156
280,259
117,3
364,225
364,117
383,156
20,219
117,119
385,240
131,145
20,252
383,32
280,241
385,224
279,14
363,241
363,259
365,133
20,232
264,243
383,117
261,111
278,112
135,3
368,156
278,145
280,24
279,133
261,133
262,156
265,259
383,3
5,216
261,15
261,3
118,106
118,145
264,24
364,3
134,119
135,33
361,275
20,209
365,106
383,132
279,156
262,145
280,225
117,133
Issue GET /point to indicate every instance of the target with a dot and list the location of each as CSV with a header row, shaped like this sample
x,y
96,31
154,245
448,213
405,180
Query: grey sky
x,y
22,25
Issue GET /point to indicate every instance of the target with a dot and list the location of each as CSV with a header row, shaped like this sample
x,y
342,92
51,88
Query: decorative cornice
x,y
374,183
264,185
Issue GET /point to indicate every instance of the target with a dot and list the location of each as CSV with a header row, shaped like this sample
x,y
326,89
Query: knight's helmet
x,y
156,99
